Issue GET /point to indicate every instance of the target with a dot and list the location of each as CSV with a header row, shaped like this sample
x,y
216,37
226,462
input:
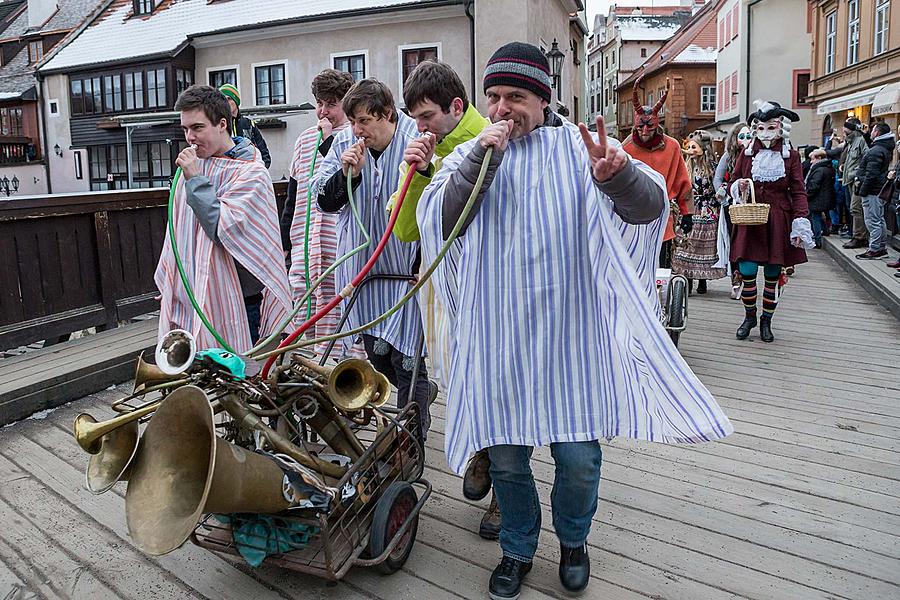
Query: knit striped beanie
x,y
519,65
231,92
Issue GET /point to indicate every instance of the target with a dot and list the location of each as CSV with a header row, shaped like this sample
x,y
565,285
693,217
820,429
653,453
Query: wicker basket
x,y
749,213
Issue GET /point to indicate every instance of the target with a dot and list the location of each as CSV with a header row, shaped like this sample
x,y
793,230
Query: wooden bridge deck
x,y
803,501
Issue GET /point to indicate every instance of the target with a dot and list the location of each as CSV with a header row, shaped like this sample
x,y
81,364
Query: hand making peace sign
x,y
606,160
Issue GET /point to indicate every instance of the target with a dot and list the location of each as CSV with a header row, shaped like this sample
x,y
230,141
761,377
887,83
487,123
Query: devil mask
x,y
647,132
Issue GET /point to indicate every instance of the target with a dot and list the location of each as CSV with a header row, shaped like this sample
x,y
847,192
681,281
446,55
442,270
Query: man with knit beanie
x,y
854,148
242,126
556,339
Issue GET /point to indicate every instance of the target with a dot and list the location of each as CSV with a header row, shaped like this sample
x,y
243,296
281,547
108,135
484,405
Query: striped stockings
x,y
748,295
770,299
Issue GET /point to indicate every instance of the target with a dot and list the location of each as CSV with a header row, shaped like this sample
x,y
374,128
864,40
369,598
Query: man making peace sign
x,y
556,339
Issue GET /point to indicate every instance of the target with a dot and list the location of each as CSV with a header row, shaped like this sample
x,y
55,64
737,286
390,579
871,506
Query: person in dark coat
x,y
872,174
820,193
773,168
807,161
242,126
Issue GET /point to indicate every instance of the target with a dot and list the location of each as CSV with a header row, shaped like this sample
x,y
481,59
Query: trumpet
x,y
89,432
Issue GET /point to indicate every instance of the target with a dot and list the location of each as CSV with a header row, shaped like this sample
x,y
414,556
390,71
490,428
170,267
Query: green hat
x,y
231,92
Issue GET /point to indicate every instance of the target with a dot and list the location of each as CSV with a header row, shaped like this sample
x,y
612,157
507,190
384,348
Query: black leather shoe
x,y
743,332
574,568
506,580
765,330
490,522
701,286
477,479
854,243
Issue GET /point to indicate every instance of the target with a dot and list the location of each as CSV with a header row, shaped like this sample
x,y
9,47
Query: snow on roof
x,y
115,37
695,54
647,29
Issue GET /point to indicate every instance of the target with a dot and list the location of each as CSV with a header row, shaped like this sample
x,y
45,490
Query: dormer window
x,y
144,7
35,51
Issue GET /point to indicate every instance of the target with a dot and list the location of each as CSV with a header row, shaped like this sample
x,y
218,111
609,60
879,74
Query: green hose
x,y
454,233
312,170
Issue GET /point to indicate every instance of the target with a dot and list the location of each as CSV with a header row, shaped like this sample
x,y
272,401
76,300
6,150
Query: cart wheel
x,y
676,310
391,512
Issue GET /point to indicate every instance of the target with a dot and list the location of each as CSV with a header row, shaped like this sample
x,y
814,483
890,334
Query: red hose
x,y
395,212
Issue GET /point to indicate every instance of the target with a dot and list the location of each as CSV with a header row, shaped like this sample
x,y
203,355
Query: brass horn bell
x,y
352,384
182,470
111,444
175,352
146,374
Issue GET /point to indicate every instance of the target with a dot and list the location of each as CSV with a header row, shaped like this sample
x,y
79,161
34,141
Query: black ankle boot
x,y
574,568
506,580
701,286
765,329
744,330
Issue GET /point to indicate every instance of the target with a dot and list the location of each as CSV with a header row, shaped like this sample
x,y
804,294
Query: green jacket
x,y
406,229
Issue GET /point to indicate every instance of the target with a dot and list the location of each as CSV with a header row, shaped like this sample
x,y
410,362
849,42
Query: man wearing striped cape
x,y
557,339
226,228
328,88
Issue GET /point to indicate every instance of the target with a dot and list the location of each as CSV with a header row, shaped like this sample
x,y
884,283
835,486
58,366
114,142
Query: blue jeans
x,y
573,499
841,210
818,225
873,210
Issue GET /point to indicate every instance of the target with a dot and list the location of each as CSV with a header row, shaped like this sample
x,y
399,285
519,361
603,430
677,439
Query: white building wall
x,y
780,45
729,75
63,177
308,53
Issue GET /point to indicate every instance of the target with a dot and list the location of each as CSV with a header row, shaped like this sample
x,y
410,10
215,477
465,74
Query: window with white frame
x,y
882,10
707,98
355,64
852,32
220,77
270,85
411,57
830,41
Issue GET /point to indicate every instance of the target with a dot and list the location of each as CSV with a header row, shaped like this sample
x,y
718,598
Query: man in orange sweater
x,y
650,145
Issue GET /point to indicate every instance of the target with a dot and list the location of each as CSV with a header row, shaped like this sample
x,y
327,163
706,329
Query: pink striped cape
x,y
322,242
248,232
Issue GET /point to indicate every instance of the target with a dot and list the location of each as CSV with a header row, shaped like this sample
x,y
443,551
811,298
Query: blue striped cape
x,y
556,334
403,329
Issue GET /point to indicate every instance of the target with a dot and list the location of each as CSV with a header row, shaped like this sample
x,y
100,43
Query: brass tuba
x,y
182,470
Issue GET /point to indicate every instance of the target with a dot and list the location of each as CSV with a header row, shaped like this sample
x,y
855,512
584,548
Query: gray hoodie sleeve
x,y
460,185
719,177
201,197
636,198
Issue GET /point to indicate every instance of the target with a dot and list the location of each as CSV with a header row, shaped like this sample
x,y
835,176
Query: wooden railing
x,y
71,262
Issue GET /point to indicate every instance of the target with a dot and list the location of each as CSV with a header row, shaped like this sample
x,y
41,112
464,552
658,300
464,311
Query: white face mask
x,y
768,132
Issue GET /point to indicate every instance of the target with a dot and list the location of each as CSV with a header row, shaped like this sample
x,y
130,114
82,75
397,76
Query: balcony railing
x,y
17,151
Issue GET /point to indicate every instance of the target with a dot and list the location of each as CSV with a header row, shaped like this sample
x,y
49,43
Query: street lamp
x,y
555,56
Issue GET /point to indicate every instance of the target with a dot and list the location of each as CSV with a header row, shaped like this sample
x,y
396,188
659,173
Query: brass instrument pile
x,y
205,444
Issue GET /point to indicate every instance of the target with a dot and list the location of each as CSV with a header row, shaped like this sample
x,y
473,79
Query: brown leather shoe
x,y
490,522
477,479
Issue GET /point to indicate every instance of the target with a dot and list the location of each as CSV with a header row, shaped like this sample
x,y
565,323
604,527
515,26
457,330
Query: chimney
x,y
39,11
